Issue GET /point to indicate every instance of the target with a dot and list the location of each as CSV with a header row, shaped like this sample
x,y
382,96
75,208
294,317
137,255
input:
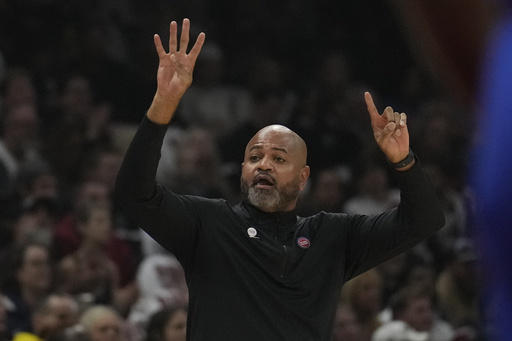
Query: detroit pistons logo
x,y
303,242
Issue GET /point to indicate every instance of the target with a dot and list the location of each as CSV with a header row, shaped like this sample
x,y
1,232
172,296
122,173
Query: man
x,y
51,317
414,318
256,271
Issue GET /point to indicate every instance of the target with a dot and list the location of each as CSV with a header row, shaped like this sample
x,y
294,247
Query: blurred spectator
x,y
363,294
34,203
89,271
19,144
36,221
18,88
28,279
50,318
167,325
418,273
198,166
103,323
354,107
211,102
457,287
161,283
102,166
100,41
327,192
67,237
321,109
413,319
37,182
267,75
346,325
455,211
87,193
440,134
168,165
415,88
390,272
80,125
374,193
323,99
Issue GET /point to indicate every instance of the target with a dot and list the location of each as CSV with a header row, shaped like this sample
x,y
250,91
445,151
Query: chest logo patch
x,y
303,242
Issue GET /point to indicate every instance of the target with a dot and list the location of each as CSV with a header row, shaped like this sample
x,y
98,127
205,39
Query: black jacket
x,y
254,275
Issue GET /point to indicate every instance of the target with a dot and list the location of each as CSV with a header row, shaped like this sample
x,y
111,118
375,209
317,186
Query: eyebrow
x,y
273,148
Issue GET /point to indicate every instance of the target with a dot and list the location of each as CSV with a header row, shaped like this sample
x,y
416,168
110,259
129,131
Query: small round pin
x,y
251,231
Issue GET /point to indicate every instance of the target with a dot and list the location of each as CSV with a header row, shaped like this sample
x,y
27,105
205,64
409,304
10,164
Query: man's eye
x,y
279,159
254,158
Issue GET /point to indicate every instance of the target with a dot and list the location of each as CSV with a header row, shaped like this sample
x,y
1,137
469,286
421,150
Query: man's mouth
x,y
263,181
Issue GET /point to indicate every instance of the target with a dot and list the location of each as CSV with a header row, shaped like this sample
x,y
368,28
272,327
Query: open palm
x,y
175,67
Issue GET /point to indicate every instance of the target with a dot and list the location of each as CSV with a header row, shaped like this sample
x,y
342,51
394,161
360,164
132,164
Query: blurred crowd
x,y
76,77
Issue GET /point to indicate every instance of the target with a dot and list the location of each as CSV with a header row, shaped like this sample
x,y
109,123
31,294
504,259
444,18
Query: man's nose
x,y
265,164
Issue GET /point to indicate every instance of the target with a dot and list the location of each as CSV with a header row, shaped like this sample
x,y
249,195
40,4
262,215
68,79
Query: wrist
x,y
161,110
405,163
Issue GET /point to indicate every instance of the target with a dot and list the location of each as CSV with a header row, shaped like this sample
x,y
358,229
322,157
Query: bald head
x,y
282,138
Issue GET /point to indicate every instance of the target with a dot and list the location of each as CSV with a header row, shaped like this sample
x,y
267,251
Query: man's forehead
x,y
274,147
280,139
274,139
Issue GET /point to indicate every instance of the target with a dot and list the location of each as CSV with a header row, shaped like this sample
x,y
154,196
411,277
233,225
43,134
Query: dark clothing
x,y
254,275
19,319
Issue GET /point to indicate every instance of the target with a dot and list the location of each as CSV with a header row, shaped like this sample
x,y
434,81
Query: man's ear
x,y
304,175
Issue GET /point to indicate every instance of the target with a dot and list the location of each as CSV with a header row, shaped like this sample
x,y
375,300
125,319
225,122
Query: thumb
x,y
389,129
386,132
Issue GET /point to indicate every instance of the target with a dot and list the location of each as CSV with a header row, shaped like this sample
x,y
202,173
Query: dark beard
x,y
275,199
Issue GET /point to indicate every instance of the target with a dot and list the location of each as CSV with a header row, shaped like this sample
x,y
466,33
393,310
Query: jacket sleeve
x,y
372,240
167,217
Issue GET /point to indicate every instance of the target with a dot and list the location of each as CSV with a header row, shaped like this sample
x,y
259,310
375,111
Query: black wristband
x,y
405,162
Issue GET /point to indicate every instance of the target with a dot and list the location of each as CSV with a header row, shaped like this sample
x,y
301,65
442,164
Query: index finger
x,y
372,110
194,52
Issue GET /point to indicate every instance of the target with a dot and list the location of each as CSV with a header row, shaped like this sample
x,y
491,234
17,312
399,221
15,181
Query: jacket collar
x,y
268,220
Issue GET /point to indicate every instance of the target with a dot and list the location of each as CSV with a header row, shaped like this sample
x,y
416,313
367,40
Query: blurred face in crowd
x,y
92,193
274,170
106,169
346,325
367,294
107,329
77,96
35,272
102,324
60,312
98,226
19,90
45,186
418,314
22,126
176,327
